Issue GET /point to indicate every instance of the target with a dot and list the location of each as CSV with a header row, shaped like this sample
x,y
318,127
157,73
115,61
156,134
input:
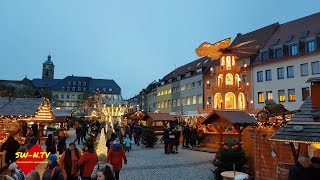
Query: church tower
x,y
48,69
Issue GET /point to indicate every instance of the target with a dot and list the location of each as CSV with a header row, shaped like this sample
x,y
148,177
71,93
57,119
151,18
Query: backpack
x,y
64,173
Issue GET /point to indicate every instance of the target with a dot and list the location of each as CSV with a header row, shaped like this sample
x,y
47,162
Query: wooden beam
x,y
294,152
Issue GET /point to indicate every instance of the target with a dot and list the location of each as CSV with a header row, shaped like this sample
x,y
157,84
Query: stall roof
x,y
62,112
159,116
235,117
19,106
302,127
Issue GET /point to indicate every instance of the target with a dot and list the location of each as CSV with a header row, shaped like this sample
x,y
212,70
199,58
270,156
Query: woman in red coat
x,y
87,162
115,156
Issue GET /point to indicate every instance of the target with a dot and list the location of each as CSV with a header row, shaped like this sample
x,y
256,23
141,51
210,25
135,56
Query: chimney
x,y
239,34
315,91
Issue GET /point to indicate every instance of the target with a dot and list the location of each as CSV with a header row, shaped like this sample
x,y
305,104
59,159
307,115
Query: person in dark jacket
x,y
51,144
78,133
301,170
31,139
62,146
110,141
11,146
53,165
83,133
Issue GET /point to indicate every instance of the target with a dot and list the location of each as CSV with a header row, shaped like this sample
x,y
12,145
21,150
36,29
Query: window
x,y
159,105
62,96
199,71
281,96
188,74
79,88
79,96
280,72
74,83
84,89
311,46
188,86
183,87
264,55
200,99
209,100
229,79
268,75
178,78
68,96
169,103
69,82
188,100
194,100
277,53
290,72
199,83
165,104
293,50
183,101
244,79
62,89
304,69
173,90
193,85
166,91
73,89
174,103
178,102
315,67
260,97
269,95
305,93
79,83
68,88
84,83
291,95
169,91
259,76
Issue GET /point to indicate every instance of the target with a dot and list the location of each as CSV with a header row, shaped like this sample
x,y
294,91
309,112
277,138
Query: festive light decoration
x,y
101,147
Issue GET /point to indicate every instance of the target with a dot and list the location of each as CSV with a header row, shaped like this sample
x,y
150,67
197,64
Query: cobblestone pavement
x,y
153,164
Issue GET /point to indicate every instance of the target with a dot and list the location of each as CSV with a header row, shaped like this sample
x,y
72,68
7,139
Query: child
x,y
127,143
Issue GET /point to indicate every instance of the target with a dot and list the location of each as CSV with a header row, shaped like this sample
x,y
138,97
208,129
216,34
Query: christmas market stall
x,y
61,120
133,118
30,114
220,124
158,120
302,132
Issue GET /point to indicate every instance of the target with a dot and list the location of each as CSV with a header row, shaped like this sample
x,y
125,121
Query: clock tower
x,y
48,69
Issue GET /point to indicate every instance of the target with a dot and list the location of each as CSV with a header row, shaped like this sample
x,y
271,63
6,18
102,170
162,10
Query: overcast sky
x,y
131,41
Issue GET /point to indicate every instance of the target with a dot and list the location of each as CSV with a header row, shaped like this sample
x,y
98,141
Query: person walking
x,y
102,163
69,161
87,162
51,144
11,146
127,143
78,133
110,141
115,157
53,170
62,146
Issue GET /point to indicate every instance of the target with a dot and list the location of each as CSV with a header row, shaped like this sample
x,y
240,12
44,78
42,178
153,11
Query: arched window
x,y
237,80
220,80
241,101
233,61
229,79
217,101
223,63
230,101
228,62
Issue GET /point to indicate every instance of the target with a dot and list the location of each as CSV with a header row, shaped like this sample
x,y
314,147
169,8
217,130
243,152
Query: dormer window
x,y
178,78
79,83
74,83
69,82
264,55
79,88
293,50
311,46
278,53
84,83
170,81
73,89
199,71
62,88
162,83
68,88
188,74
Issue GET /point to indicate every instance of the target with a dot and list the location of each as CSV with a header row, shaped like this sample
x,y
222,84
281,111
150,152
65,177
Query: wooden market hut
x,y
26,110
133,117
158,120
303,130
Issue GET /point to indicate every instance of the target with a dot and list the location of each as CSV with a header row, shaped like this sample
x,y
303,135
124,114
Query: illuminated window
x,y
188,100
183,87
194,100
229,79
228,62
281,96
260,97
233,61
208,84
169,91
230,101
217,101
200,99
269,95
220,80
237,79
223,63
183,101
241,101
291,95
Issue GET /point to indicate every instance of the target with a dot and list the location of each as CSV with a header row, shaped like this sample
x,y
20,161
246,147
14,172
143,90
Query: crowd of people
x,y
70,162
